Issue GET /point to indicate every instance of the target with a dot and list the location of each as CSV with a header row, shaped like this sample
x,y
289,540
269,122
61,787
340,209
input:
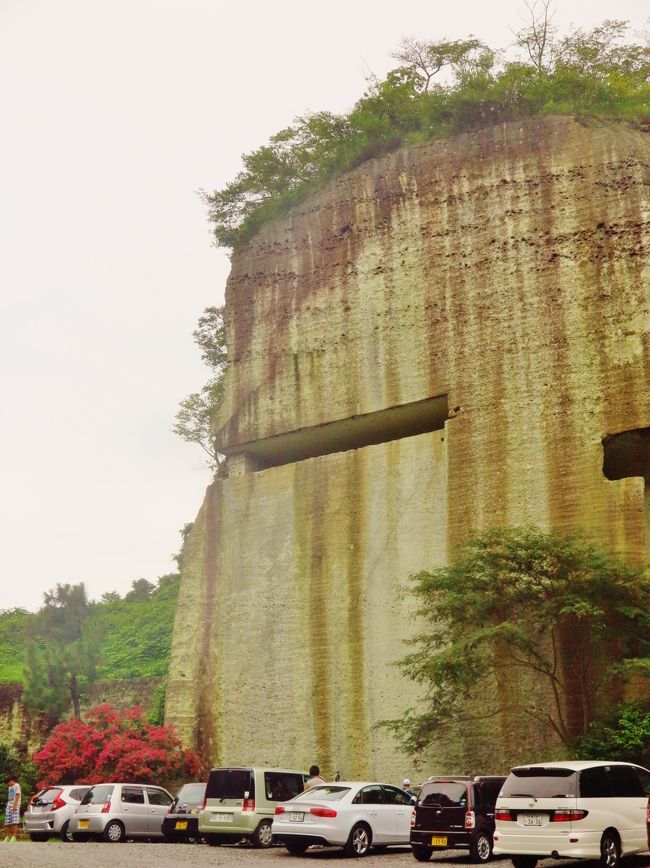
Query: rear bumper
x,y
169,826
96,824
315,833
306,839
422,838
577,845
242,825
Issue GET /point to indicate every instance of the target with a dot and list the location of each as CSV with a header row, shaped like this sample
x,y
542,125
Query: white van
x,y
579,810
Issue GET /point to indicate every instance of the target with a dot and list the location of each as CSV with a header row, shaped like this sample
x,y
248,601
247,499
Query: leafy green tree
x,y
194,417
519,603
141,589
428,58
537,38
62,654
624,735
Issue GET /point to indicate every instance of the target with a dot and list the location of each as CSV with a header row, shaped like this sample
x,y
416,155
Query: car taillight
x,y
279,809
504,814
322,812
205,802
106,808
58,803
249,806
470,820
568,816
412,819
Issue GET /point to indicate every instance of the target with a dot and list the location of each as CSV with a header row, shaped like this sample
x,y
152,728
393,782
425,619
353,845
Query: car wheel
x,y
610,851
114,833
80,837
480,848
65,834
296,848
422,854
36,836
359,841
524,861
262,837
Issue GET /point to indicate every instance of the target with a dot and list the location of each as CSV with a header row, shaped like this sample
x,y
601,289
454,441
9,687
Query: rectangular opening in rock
x,y
367,429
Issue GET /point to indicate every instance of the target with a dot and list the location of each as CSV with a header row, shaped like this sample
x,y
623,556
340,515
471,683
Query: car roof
x,y
256,769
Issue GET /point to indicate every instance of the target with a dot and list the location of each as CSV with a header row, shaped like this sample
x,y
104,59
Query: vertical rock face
x,y
501,272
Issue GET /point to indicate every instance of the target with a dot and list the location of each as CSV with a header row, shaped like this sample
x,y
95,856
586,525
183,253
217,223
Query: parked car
x,y
49,811
181,823
579,810
455,812
115,812
349,814
239,803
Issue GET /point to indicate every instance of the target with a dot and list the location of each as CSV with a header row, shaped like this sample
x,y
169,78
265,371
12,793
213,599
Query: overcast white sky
x,y
114,113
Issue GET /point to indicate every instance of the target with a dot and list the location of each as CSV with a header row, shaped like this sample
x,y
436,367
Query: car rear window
x,y
47,797
98,795
230,784
191,793
282,786
444,794
325,793
79,793
541,783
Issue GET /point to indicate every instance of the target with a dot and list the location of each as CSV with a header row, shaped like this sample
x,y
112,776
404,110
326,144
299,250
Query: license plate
x,y
222,818
83,824
296,817
533,819
439,841
181,824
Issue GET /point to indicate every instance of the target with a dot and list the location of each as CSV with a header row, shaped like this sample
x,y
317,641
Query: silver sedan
x,y
355,815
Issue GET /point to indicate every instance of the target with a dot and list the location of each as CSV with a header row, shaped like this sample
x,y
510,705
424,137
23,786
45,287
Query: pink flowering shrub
x,y
109,745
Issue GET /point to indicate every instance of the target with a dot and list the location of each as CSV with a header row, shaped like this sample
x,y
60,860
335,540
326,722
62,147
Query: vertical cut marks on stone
x,y
367,429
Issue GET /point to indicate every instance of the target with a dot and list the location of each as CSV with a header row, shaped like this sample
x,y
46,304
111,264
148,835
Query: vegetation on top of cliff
x,y
440,87
561,621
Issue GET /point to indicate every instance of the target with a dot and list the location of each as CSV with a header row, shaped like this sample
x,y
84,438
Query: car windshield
x,y
99,795
327,793
191,793
541,783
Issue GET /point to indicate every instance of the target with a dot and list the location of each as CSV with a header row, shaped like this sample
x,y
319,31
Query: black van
x,y
455,812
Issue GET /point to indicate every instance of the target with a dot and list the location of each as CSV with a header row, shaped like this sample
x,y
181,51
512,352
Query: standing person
x,y
406,786
12,815
314,778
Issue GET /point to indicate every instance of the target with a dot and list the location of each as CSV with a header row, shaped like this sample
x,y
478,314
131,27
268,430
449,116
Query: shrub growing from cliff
x,y
521,604
108,745
595,74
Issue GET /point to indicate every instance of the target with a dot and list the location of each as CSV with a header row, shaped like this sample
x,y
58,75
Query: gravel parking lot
x,y
55,854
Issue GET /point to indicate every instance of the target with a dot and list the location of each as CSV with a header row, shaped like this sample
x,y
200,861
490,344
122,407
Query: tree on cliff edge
x,y
195,413
519,603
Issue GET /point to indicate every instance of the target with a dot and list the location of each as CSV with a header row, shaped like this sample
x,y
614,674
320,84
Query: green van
x,y
240,803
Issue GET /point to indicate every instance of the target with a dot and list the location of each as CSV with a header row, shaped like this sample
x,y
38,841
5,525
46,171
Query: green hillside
x,y
134,634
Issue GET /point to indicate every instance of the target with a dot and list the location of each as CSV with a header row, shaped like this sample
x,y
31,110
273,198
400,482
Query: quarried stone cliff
x,y
444,340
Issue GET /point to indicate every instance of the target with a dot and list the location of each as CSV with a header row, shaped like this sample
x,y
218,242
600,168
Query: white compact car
x,y
580,810
49,812
348,814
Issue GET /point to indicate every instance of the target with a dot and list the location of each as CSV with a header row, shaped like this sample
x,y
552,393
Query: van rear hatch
x,y
440,813
538,800
230,787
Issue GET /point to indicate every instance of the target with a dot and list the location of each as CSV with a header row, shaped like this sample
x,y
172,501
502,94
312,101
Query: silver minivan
x,y
240,803
115,812
50,811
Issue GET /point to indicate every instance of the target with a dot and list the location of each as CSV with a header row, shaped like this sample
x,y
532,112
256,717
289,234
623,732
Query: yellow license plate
x,y
181,824
439,841
83,824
